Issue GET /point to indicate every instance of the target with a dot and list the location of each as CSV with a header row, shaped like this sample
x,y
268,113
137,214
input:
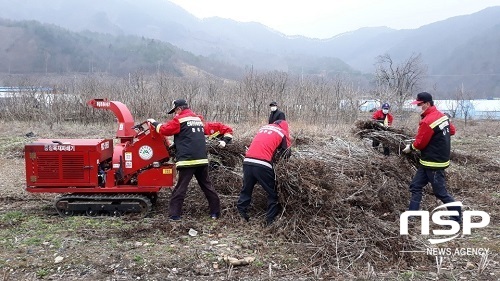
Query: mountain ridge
x,y
442,44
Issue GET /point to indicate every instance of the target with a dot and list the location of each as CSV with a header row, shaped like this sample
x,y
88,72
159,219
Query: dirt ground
x,y
37,244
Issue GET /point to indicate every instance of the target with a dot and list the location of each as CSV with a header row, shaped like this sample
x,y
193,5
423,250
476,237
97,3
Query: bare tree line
x,y
307,99
304,98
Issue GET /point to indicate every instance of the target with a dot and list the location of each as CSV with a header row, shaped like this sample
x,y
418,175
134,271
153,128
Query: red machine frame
x,y
137,163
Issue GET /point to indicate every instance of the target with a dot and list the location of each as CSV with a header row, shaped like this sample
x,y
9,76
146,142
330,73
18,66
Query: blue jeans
x,y
438,182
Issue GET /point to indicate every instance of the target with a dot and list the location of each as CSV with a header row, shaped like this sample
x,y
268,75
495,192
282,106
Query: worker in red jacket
x,y
433,140
219,131
223,135
384,119
189,138
270,144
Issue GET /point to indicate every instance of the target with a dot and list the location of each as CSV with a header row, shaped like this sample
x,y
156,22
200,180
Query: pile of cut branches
x,y
394,138
340,200
226,165
343,201
397,138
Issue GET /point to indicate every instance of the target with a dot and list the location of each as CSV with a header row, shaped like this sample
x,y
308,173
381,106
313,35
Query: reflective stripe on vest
x,y
189,118
439,121
257,161
214,135
185,163
435,164
272,128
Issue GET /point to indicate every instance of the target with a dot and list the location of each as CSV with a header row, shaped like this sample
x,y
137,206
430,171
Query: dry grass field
x,y
351,234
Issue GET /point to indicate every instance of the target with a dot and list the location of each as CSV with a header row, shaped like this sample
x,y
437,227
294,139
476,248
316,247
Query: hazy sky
x,y
327,18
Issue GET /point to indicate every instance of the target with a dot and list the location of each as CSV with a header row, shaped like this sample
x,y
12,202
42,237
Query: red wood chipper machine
x,y
102,176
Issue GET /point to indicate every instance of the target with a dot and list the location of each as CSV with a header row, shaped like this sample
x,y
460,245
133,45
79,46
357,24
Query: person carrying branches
x,y
218,131
433,140
271,143
384,119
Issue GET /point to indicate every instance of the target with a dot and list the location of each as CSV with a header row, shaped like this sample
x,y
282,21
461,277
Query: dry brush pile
x,y
342,199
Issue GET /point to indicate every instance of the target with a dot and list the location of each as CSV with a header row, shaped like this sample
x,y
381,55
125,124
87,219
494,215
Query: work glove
x,y
227,139
407,149
153,123
222,144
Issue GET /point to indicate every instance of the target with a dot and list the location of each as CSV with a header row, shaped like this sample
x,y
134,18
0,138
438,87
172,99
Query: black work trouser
x,y
265,176
376,143
438,182
181,187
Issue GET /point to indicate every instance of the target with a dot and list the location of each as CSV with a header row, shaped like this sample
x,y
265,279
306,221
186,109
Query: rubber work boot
x,y
175,218
245,216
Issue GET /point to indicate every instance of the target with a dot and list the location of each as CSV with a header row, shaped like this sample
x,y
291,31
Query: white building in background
x,y
39,95
369,105
472,109
11,92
